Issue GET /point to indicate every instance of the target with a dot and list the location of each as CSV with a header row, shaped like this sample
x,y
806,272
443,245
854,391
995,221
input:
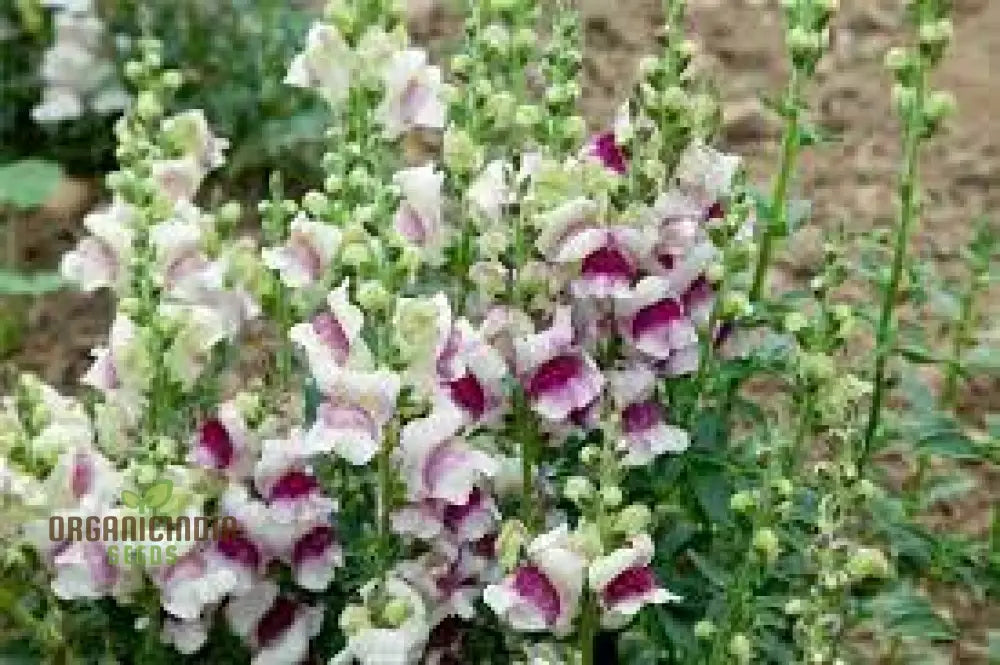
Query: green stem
x,y
803,429
949,395
588,629
525,436
384,463
885,334
779,195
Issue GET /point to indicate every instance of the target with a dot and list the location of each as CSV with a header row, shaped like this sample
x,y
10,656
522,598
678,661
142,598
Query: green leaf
x,y
709,570
904,613
920,355
131,499
993,648
34,284
28,183
157,494
950,445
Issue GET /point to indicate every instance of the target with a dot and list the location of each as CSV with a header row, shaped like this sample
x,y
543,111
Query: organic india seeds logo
x,y
146,538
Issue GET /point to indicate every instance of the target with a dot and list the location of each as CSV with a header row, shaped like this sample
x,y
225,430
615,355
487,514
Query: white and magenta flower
x,y
471,372
645,433
413,94
224,443
277,628
391,628
192,584
307,254
81,570
449,525
334,336
542,594
349,422
706,174
448,584
325,65
190,132
436,463
178,179
315,557
100,259
188,637
82,477
418,219
605,148
683,250
557,376
653,319
624,582
491,191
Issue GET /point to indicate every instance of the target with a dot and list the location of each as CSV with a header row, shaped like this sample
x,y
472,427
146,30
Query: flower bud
x,y
741,649
172,79
578,489
765,541
354,619
512,538
148,105
460,152
939,105
611,496
396,612
373,296
527,115
633,520
795,321
704,629
743,501
868,563
316,203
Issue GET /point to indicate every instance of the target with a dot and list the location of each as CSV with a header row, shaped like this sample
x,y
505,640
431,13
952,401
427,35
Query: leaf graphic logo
x,y
153,498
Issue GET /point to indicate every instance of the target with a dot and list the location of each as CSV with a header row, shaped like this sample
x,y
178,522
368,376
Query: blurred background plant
x,y
60,67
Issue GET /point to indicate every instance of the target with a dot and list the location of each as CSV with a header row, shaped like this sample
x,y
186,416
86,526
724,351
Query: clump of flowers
x,y
77,72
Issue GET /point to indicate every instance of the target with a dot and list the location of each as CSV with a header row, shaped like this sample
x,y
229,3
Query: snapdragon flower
x,y
624,582
413,94
558,377
542,594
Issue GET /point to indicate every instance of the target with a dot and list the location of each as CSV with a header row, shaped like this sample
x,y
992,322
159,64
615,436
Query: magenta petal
x,y
82,475
214,439
642,417
699,292
332,334
313,545
455,513
468,393
411,225
276,621
554,374
715,211
608,262
609,152
294,485
629,583
532,585
656,316
237,547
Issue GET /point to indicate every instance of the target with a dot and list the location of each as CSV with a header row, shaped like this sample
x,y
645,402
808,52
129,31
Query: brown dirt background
x,y
851,181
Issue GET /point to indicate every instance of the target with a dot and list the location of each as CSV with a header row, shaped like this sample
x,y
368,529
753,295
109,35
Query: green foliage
x,y
29,284
28,183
